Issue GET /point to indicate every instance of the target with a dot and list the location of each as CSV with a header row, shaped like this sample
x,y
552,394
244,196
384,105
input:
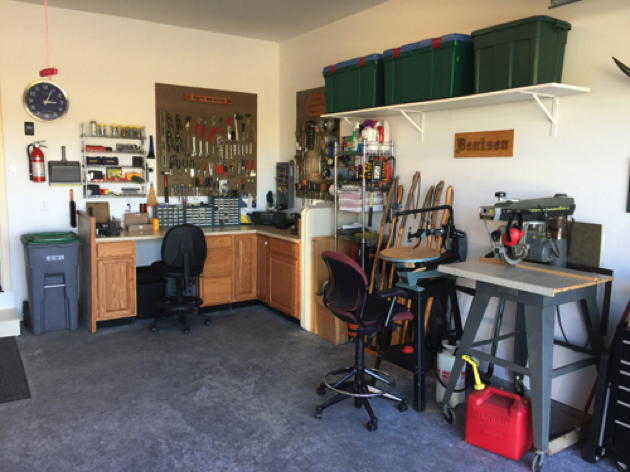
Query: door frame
x,y
5,259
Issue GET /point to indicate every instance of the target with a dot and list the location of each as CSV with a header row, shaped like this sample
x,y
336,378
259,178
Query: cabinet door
x,y
262,268
116,280
284,284
244,267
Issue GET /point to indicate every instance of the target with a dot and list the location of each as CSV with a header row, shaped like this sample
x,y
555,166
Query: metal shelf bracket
x,y
553,115
417,123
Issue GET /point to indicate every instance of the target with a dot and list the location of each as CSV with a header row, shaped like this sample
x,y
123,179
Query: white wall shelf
x,y
414,112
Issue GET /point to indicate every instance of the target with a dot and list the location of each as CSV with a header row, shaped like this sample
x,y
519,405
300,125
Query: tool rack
x,y
113,186
224,166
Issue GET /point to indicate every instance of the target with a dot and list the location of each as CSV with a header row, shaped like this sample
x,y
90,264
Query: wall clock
x,y
46,101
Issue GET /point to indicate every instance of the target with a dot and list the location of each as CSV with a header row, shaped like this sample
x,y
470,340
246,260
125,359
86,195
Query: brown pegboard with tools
x,y
206,139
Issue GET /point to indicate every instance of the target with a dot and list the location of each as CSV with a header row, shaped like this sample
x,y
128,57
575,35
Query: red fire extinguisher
x,y
36,161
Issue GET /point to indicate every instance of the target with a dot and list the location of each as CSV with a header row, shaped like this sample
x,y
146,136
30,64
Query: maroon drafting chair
x,y
346,296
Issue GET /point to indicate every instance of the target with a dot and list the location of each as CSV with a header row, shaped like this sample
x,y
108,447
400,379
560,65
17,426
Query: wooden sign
x,y
191,97
315,105
484,144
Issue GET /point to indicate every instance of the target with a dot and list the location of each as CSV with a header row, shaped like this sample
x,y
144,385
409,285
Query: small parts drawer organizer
x,y
222,211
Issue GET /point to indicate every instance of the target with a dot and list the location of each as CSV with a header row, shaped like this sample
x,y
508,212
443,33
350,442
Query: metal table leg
x,y
419,400
475,316
520,348
539,323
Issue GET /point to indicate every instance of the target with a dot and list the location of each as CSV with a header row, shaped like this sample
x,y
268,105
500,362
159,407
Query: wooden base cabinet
x,y
245,267
284,277
216,287
262,268
116,280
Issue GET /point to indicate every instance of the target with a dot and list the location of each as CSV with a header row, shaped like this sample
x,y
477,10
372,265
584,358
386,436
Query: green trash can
x,y
520,53
52,267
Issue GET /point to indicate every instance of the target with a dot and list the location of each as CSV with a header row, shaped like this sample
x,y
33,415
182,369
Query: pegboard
x,y
174,104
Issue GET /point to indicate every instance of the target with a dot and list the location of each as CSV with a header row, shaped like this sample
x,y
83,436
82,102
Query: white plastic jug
x,y
445,360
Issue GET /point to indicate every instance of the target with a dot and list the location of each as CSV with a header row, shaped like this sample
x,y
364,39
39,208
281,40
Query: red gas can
x,y
499,422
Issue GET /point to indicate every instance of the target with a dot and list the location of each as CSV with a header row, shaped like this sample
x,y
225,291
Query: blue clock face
x,y
45,101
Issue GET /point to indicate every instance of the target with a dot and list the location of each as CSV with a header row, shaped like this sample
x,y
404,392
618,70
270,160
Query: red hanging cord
x,y
48,71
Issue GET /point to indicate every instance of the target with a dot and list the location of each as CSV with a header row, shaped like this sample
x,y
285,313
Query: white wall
x,y
109,66
587,160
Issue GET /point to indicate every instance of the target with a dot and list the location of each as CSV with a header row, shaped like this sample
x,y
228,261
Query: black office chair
x,y
183,256
346,296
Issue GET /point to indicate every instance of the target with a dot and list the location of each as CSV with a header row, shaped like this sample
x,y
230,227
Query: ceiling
x,y
269,20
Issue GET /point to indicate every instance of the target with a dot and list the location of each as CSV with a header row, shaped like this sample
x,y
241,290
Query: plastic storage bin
x,y
354,84
52,266
525,52
429,70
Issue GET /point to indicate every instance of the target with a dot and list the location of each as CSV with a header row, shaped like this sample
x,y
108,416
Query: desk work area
x,y
240,265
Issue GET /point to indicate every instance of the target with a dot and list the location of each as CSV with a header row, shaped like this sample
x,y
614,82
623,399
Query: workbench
x,y
243,263
537,290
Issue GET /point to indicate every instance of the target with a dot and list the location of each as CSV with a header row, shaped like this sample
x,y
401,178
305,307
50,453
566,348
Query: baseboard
x,y
9,322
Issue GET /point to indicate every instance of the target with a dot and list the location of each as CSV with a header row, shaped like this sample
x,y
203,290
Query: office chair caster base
x,y
402,407
340,386
153,329
372,426
207,321
321,390
318,412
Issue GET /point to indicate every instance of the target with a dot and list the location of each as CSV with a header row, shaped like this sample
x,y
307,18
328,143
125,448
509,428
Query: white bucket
x,y
445,360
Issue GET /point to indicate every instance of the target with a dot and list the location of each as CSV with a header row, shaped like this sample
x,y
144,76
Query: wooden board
x,y
409,254
484,144
533,278
203,103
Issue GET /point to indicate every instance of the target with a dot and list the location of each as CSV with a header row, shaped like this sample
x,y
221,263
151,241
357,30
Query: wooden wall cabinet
x,y
262,268
284,277
245,246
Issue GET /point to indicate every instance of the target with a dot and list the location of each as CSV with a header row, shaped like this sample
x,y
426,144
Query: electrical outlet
x,y
44,204
12,171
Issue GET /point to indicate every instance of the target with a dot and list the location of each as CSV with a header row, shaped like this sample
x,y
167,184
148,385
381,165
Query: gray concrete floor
x,y
237,395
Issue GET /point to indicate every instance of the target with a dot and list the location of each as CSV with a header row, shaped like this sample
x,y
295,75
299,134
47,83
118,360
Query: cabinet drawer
x,y
123,248
285,248
217,242
218,263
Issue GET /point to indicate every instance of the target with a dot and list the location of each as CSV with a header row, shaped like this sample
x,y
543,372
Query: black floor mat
x,y
13,383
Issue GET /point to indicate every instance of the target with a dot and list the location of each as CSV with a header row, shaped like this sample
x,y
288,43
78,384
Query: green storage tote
x,y
429,70
520,53
354,84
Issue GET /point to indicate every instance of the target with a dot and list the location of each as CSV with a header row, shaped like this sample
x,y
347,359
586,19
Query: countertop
x,y
266,230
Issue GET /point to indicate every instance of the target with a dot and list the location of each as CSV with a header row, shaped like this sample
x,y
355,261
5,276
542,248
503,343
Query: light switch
x,y
12,171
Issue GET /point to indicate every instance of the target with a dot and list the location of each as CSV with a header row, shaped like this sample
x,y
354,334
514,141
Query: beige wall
x,y
109,67
588,159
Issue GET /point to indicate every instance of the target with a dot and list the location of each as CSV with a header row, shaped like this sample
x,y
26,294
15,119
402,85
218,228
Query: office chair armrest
x,y
392,292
